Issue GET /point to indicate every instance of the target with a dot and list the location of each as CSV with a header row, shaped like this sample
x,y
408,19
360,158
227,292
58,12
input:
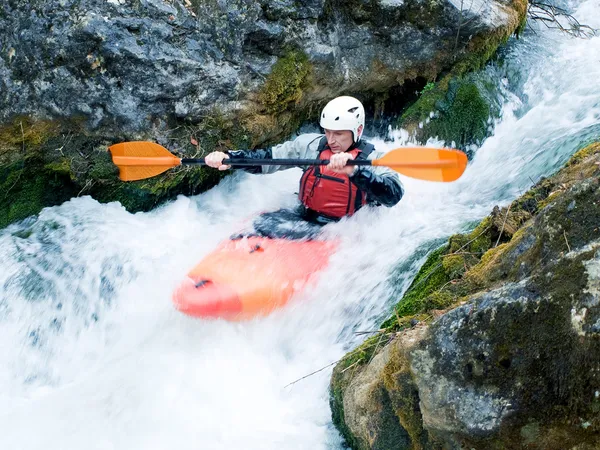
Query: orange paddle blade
x,y
432,164
138,159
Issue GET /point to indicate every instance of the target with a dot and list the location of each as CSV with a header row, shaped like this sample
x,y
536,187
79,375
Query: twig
x,y
335,362
22,137
476,14
88,182
369,332
566,240
531,28
458,30
462,253
447,283
376,348
549,15
352,365
316,371
475,238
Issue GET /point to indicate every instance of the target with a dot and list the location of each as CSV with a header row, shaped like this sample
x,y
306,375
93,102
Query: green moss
x,y
28,187
102,169
461,113
480,50
430,278
445,268
61,167
361,354
420,110
340,378
216,131
428,87
454,266
479,275
68,162
404,396
532,200
336,404
23,136
420,14
285,84
584,153
481,237
465,120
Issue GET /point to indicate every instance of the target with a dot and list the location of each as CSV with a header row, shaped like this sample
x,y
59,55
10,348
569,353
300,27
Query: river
x,y
93,355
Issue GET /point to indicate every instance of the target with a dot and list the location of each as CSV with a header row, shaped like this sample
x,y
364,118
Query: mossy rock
x,y
531,267
23,136
457,114
469,262
431,277
286,83
460,107
586,152
341,376
45,163
420,14
26,189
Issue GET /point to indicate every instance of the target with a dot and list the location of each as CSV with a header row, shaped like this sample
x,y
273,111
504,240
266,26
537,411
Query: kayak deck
x,y
251,276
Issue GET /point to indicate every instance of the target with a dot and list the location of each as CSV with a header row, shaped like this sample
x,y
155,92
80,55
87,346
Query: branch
x,y
551,16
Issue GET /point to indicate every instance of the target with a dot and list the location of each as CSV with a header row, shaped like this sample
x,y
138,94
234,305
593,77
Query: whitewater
x,y
93,355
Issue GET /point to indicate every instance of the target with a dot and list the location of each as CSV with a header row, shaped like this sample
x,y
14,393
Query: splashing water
x,y
94,356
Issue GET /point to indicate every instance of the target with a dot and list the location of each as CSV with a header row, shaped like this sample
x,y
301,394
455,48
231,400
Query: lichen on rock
x,y
241,74
513,359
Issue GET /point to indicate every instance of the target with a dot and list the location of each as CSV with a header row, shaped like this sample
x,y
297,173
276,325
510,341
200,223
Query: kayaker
x,y
327,193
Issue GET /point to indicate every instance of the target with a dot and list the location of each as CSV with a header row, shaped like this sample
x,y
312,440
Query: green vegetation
x,y
286,83
460,110
511,244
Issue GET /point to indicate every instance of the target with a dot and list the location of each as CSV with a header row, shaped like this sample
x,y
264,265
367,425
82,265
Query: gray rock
x,y
130,65
515,362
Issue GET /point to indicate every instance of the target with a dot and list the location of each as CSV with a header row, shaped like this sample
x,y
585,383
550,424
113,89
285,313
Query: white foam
x,y
115,367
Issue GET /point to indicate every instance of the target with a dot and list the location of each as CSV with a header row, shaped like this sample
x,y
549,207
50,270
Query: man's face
x,y
339,140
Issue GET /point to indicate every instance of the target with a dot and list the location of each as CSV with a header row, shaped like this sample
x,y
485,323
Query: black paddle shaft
x,y
276,162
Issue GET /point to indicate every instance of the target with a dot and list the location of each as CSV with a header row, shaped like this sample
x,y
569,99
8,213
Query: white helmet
x,y
344,113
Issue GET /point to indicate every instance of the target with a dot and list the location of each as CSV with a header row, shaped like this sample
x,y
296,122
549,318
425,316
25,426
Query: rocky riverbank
x,y
79,75
496,343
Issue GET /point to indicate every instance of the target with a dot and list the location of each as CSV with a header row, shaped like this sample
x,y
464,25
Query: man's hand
x,y
338,161
215,159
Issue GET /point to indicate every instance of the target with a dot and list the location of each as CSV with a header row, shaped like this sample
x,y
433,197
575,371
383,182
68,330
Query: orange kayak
x,y
249,277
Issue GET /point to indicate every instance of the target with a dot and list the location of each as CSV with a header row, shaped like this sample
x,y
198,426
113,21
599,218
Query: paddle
x,y
139,159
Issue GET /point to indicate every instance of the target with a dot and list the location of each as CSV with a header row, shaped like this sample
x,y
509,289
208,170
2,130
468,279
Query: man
x,y
327,193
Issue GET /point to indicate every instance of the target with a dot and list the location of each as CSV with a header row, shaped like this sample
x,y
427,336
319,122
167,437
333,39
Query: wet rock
x,y
514,360
130,64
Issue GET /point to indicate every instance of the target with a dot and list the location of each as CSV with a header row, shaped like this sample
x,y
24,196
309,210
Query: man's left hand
x,y
337,163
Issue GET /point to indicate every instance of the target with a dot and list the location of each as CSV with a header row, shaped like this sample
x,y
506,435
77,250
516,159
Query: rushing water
x,y
92,354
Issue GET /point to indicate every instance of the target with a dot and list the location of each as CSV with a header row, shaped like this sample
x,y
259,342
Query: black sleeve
x,y
249,154
385,190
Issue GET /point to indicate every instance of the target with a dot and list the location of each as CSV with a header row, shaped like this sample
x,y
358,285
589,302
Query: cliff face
x,y
504,347
131,65
199,75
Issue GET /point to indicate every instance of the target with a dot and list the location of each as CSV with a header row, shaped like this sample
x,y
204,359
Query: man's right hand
x,y
215,159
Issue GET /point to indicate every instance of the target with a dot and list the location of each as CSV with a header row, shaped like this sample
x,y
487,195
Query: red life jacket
x,y
332,194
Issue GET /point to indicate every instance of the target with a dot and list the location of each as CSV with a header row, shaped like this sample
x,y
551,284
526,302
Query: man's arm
x,y
250,154
303,147
381,184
